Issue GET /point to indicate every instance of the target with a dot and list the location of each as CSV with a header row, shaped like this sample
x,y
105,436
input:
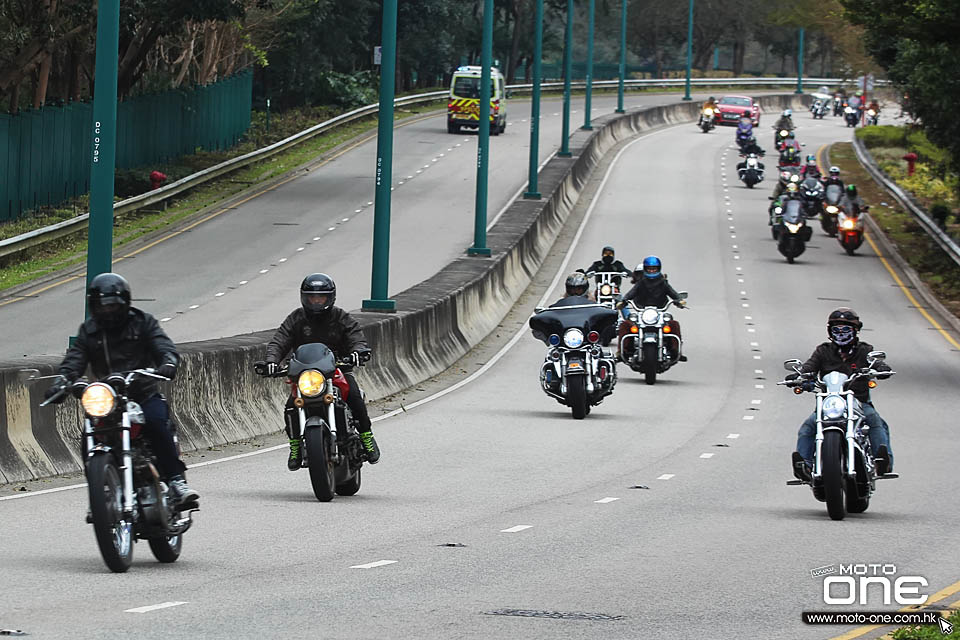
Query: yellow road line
x,y
326,161
939,595
896,278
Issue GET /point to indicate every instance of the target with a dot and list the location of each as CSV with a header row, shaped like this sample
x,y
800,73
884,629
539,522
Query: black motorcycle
x,y
750,170
128,500
577,371
330,442
791,230
812,195
832,196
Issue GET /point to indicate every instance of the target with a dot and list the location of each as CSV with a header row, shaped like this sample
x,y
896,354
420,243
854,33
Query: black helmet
x,y
108,298
608,255
747,114
852,190
843,325
576,284
318,292
712,99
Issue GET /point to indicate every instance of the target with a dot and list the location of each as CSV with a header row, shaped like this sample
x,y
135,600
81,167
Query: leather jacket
x,y
828,357
336,328
651,291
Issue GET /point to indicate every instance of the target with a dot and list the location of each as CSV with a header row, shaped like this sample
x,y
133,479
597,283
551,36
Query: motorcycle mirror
x,y
682,295
792,364
26,375
877,355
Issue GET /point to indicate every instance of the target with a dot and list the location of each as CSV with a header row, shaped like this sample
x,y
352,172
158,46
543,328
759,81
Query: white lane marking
x,y
356,211
739,268
154,607
751,330
411,177
736,257
758,386
165,319
401,182
706,455
331,229
745,305
733,235
264,270
282,260
748,417
666,476
757,358
740,280
316,238
756,401
243,282
760,371
733,436
369,204
605,500
754,344
345,220
218,295
46,491
194,306
519,527
419,170
374,565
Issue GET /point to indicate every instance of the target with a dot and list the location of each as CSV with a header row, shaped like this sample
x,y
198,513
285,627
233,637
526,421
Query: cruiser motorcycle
x,y
331,445
651,347
128,500
577,371
844,471
751,173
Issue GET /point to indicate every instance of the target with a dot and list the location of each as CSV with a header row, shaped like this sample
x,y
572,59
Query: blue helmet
x,y
652,267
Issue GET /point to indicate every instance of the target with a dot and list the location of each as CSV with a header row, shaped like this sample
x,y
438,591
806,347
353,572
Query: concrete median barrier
x,y
217,399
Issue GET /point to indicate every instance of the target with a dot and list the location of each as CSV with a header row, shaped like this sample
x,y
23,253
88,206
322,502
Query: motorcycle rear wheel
x,y
113,532
650,362
166,549
577,396
833,477
321,467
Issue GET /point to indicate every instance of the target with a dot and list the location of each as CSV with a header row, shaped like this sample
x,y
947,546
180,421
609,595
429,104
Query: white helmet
x,y
787,113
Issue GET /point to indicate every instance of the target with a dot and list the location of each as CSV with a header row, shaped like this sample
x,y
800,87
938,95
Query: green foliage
x,y
883,136
929,632
918,142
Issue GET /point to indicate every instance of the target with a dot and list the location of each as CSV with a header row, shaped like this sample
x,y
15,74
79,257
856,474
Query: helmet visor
x,y
651,268
315,301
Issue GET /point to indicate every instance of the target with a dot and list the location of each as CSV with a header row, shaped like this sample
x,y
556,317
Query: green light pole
x,y
800,61
103,161
567,71
587,107
686,95
479,247
623,54
384,173
532,188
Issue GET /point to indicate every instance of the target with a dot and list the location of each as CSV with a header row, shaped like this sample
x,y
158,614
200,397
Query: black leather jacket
x,y
651,291
337,329
139,344
827,357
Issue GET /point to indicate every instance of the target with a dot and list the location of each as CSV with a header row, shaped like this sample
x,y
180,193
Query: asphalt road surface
x,y
713,544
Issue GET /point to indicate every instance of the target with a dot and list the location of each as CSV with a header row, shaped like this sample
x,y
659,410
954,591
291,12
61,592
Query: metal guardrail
x,y
945,241
17,244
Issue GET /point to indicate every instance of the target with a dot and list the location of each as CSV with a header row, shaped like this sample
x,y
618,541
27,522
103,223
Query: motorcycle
x,y
838,105
707,120
644,349
873,117
811,193
789,157
790,229
752,172
332,450
852,116
607,294
844,471
128,500
744,134
833,194
819,108
577,371
779,137
850,230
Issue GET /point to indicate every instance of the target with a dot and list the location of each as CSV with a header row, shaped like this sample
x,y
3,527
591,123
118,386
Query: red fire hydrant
x,y
157,179
911,159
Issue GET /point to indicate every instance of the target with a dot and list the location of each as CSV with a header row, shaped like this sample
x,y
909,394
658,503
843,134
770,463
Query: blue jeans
x,y
879,434
156,415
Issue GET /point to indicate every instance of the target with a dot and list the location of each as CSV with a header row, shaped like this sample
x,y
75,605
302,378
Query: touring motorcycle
x,y
650,346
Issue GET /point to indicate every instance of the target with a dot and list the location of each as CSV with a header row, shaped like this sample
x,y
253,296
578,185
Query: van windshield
x,y
467,87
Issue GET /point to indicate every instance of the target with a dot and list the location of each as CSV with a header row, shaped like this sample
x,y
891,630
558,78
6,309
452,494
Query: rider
x,y
576,287
711,103
317,320
751,146
119,337
852,202
833,177
786,178
607,263
810,169
741,166
785,121
844,352
652,289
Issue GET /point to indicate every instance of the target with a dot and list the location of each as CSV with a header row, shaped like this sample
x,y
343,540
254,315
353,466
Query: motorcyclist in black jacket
x,y
607,263
652,289
576,288
317,320
119,338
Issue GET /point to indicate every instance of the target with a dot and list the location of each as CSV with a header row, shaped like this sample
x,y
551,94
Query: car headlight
x,y
98,400
832,209
573,338
650,316
606,290
311,383
834,407
793,227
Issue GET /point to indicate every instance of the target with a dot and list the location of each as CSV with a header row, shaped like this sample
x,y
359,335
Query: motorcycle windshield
x,y
834,193
835,381
792,211
314,355
587,318
744,127
812,187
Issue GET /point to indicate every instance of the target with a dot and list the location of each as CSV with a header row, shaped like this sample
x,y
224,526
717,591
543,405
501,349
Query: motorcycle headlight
x,y
834,407
751,162
650,316
793,227
98,400
783,133
606,290
848,224
832,209
311,383
778,210
708,112
871,113
573,338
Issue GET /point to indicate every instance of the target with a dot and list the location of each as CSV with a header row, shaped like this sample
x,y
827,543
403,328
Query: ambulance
x,y
463,107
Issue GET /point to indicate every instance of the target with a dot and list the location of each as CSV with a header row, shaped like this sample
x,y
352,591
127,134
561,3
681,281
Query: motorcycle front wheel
x,y
167,548
833,481
113,530
650,362
321,467
577,396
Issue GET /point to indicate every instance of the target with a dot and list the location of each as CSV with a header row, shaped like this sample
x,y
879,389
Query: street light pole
x,y
623,54
800,61
532,192
686,95
479,247
567,71
384,173
587,107
103,165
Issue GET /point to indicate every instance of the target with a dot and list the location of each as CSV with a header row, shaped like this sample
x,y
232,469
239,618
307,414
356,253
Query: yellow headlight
x,y
98,400
831,209
606,290
311,383
708,112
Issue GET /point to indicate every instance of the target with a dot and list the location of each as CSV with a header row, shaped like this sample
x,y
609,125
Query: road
x,y
240,271
714,544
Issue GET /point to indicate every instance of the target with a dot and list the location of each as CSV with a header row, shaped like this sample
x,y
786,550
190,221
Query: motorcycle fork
x,y
127,465
332,419
817,466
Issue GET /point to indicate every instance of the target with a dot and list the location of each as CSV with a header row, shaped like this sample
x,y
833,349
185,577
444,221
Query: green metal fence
x,y
45,154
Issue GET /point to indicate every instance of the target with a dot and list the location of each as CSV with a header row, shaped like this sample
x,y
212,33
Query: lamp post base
x,y
474,251
382,306
532,195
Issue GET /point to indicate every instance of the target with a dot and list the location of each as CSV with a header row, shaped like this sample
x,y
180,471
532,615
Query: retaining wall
x,y
217,399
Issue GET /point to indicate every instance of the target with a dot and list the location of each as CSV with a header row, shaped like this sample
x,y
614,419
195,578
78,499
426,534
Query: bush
x,y
940,212
883,136
918,142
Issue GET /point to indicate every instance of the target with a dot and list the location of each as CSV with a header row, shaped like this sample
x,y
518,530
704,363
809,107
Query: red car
x,y
731,109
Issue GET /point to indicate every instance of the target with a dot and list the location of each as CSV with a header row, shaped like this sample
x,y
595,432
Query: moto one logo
x,y
857,581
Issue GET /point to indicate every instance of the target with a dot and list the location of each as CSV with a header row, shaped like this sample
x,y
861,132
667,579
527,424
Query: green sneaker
x,y
296,455
370,446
